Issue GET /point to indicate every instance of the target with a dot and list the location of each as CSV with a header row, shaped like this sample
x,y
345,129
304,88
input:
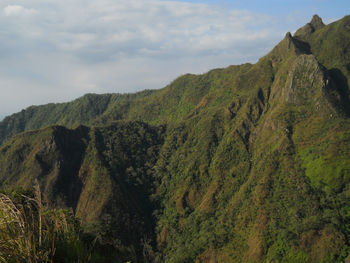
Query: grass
x,y
31,233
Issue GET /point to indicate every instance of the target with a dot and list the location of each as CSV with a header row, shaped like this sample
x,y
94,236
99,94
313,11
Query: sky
x,y
58,50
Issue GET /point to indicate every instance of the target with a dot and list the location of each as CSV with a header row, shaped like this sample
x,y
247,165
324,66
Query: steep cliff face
x,y
244,164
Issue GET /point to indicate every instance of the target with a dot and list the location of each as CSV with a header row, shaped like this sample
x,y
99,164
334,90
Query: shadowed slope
x,y
103,174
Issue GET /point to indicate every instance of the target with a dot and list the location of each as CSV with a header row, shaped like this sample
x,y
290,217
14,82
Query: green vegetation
x,y
244,164
104,174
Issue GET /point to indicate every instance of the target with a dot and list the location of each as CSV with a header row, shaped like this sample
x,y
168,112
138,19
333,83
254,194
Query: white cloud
x,y
62,49
15,10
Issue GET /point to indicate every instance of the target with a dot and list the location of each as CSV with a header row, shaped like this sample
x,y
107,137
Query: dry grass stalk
x,y
13,235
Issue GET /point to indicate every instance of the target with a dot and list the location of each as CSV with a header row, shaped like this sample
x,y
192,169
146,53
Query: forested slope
x,y
244,164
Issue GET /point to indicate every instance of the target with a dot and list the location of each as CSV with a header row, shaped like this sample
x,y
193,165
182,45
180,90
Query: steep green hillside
x,y
80,111
244,164
268,183
104,174
168,105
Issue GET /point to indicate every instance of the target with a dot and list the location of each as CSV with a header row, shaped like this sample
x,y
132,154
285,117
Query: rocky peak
x,y
289,47
317,22
305,31
288,35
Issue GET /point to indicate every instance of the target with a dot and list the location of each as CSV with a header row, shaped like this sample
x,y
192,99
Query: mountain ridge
x,y
247,163
119,104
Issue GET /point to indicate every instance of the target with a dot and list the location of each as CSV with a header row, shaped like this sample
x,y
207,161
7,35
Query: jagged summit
x,y
317,22
286,48
288,35
305,31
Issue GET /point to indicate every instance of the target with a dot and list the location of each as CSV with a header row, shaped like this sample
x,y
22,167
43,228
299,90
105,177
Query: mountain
x,y
244,164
